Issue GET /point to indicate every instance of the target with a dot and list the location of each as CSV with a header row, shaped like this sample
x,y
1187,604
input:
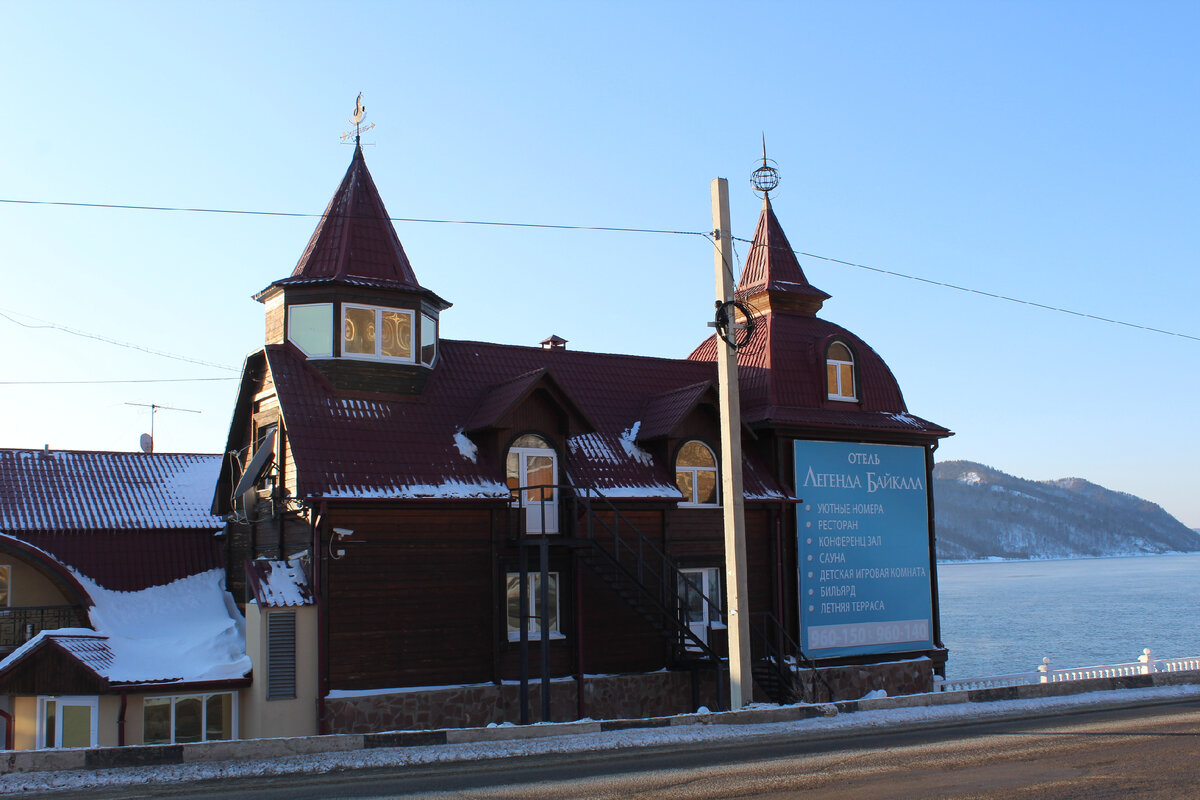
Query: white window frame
x,y
378,354
429,338
535,618
91,701
691,502
709,580
535,511
835,390
203,698
328,351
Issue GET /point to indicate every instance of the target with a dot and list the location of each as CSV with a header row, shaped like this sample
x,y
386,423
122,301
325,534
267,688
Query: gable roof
x,y
663,412
126,520
44,490
409,448
355,243
185,632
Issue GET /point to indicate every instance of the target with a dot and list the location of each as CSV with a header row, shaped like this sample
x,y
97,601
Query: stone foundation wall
x,y
853,682
656,694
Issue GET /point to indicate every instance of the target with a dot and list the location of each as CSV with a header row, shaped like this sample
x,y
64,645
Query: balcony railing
x,y
19,624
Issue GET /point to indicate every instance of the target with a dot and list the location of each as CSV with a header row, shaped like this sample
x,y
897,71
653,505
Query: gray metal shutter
x,y
281,655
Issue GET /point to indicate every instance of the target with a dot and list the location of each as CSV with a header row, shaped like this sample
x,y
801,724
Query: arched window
x,y
696,474
532,463
839,372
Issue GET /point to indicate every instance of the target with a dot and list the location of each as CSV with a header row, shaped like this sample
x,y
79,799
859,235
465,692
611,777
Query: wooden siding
x,y
411,602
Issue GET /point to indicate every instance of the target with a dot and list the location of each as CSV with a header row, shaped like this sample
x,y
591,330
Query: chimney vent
x,y
555,342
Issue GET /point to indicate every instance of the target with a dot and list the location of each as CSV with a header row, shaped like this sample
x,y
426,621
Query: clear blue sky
x,y
1044,151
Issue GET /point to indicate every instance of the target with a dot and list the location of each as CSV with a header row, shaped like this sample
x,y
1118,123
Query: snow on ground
x,y
862,722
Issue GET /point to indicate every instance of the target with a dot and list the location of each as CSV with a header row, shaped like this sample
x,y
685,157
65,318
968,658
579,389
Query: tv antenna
x,y
360,111
147,440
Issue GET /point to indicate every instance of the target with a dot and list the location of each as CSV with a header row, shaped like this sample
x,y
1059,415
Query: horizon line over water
x,y
1001,617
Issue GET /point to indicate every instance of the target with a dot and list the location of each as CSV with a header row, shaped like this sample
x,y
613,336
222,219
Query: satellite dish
x,y
147,443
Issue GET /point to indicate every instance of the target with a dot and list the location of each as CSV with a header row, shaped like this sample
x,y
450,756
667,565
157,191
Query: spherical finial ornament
x,y
765,178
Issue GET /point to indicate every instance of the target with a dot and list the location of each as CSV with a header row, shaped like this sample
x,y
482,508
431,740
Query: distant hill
x,y
984,513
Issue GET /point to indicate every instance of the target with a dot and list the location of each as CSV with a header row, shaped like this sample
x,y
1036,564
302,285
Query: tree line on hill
x,y
984,513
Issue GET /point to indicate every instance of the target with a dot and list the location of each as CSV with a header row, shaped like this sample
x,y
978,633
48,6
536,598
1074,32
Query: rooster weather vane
x,y
356,118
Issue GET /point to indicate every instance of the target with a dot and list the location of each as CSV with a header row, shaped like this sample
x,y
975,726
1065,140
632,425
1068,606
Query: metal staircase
x,y
651,583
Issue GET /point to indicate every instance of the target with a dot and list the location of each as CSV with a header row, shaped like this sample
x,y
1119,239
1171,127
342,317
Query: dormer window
x,y
375,332
839,372
696,475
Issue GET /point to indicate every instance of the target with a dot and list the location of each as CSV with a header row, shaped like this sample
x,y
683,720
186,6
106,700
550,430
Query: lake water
x,y
1002,617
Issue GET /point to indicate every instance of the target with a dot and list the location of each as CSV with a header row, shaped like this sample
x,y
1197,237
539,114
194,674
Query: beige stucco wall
x,y
263,718
29,587
24,711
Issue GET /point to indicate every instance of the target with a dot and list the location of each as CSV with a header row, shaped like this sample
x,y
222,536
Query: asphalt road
x,y
1148,752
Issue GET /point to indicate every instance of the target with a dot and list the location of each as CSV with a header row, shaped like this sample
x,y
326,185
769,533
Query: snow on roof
x,y
280,583
86,490
185,631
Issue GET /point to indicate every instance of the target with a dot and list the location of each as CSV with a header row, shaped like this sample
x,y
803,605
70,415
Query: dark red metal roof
x,y
412,447
125,520
665,411
355,243
781,369
771,265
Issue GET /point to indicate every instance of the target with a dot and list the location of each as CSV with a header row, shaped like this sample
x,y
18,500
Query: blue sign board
x,y
863,536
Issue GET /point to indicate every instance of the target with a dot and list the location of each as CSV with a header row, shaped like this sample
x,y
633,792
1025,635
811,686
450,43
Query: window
x,y
532,463
310,327
533,586
281,655
839,372
5,585
700,614
428,339
188,718
68,722
696,474
376,332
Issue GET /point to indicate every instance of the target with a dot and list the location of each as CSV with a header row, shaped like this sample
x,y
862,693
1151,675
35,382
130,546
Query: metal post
x,y
544,618
736,584
523,610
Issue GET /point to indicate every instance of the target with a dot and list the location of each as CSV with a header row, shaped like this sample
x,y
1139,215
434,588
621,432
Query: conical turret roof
x,y
355,242
772,276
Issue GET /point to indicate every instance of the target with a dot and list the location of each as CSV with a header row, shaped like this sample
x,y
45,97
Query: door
x,y
532,467
68,722
700,615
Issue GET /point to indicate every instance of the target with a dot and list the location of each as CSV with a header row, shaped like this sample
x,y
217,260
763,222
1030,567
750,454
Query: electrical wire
x,y
604,228
132,380
125,207
55,326
992,295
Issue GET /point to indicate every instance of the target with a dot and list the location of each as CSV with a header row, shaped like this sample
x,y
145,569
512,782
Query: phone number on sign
x,y
861,634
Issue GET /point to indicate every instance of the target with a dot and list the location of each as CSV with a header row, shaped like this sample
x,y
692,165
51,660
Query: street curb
x,y
24,761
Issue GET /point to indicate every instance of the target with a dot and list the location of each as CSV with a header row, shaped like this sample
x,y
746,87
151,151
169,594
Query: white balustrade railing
x,y
1145,665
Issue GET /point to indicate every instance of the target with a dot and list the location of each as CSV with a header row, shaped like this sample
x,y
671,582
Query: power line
x,y
133,380
982,293
55,326
607,228
547,226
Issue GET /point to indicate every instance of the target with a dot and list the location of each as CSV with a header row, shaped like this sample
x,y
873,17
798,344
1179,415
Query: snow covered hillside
x,y
985,513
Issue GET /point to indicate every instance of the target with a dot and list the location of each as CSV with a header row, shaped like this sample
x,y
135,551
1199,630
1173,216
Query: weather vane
x,y
360,111
766,177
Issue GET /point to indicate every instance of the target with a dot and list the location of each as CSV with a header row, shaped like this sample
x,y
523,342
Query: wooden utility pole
x,y
732,502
